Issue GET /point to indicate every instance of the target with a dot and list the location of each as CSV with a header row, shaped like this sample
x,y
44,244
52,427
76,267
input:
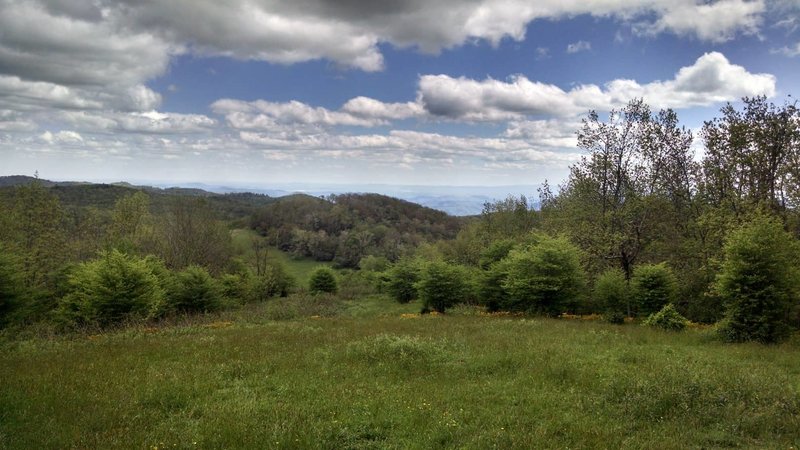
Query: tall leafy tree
x,y
638,170
753,156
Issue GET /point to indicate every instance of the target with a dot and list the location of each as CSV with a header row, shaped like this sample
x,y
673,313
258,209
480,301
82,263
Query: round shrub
x,y
667,319
611,293
653,286
442,285
401,281
322,280
111,289
614,317
759,282
545,278
235,287
195,291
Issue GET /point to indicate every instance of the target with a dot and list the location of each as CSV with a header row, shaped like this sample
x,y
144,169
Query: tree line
x,y
644,228
642,222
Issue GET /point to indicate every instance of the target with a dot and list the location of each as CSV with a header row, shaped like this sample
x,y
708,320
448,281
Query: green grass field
x,y
369,374
299,268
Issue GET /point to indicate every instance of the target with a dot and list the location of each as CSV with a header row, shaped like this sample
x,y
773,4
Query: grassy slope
x,y
299,268
394,382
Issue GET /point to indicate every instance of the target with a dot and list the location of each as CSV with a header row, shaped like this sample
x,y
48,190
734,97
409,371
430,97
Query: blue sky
x,y
260,92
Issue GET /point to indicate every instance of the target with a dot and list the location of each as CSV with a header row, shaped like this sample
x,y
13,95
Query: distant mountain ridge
x,y
454,200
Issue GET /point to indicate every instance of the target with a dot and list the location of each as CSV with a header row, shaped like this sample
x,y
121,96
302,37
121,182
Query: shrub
x,y
490,288
111,289
275,281
442,285
322,280
614,317
356,284
236,287
667,319
611,293
401,281
373,263
195,291
545,278
653,286
759,282
496,251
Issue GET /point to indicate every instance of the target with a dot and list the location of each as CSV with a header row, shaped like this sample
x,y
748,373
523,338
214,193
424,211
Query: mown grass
x,y
362,376
299,268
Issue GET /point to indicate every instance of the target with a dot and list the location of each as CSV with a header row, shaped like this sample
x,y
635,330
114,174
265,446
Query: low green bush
x,y
545,278
614,317
323,280
667,319
653,286
111,289
442,285
195,291
611,293
401,281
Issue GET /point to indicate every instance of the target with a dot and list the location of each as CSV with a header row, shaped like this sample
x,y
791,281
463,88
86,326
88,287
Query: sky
x,y
402,92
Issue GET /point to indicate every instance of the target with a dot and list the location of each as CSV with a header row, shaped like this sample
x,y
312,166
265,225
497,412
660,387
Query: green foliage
x,y
129,221
372,263
323,280
614,317
759,282
275,281
235,287
668,318
345,228
546,278
496,251
442,285
401,281
11,287
111,289
611,293
357,284
490,288
195,291
653,286
507,219
38,235
191,234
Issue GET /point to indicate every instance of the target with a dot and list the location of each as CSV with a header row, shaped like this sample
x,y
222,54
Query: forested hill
x,y
344,228
104,196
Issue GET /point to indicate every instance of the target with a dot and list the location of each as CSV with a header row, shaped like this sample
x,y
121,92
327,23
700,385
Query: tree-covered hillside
x,y
345,228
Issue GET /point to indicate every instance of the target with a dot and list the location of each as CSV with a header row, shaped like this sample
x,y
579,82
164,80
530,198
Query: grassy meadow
x,y
299,268
370,373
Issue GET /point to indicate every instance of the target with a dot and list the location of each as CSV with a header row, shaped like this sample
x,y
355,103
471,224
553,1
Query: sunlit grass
x,y
373,374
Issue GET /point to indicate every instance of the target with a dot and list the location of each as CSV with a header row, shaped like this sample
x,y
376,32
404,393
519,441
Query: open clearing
x,y
356,378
